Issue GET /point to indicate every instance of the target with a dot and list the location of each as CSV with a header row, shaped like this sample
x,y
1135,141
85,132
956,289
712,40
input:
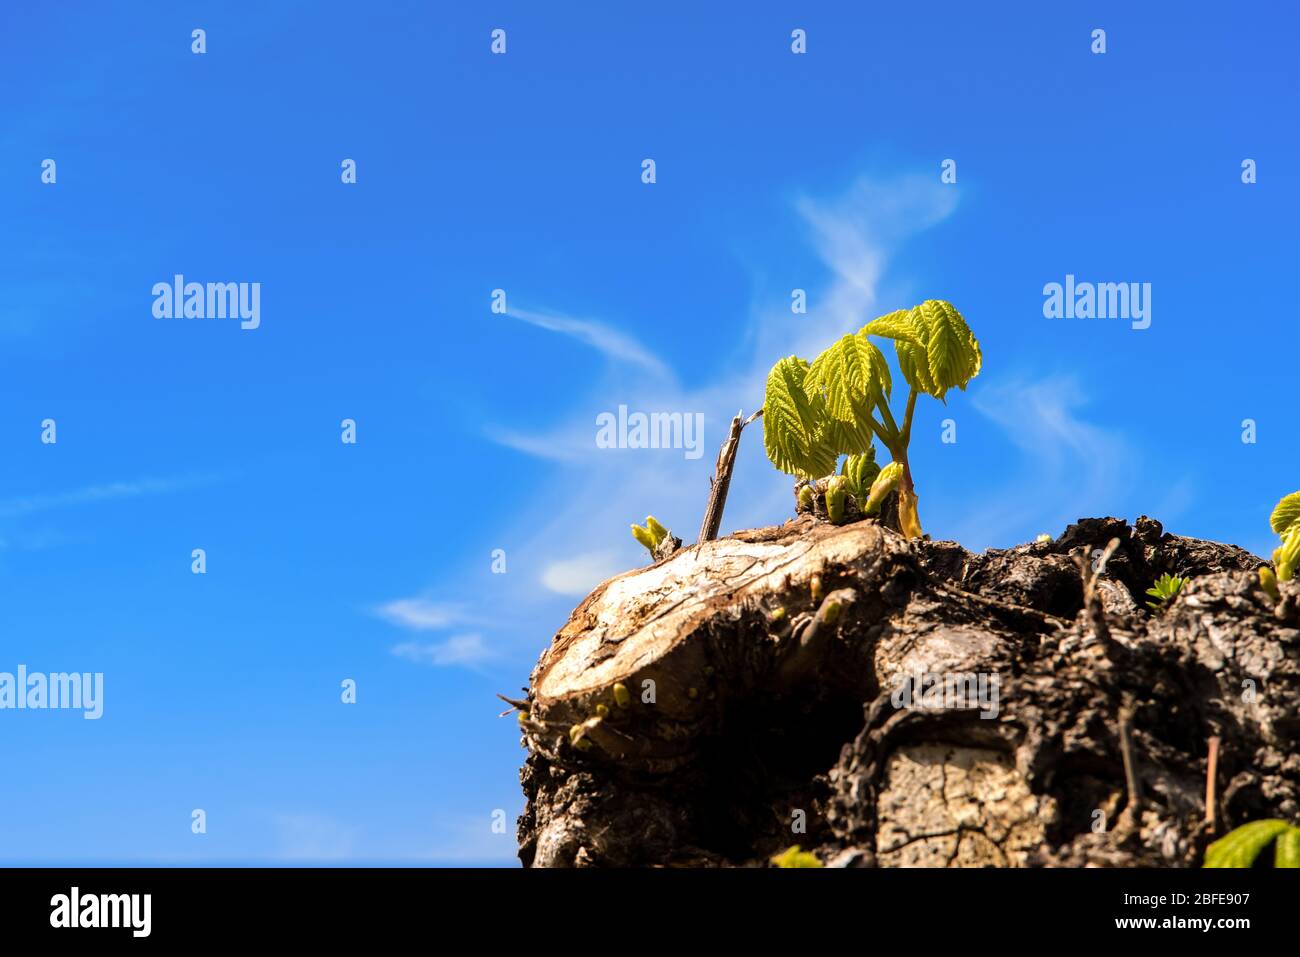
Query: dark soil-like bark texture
x,y
739,696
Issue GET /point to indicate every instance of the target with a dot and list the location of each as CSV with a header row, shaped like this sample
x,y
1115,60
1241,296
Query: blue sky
x,y
476,431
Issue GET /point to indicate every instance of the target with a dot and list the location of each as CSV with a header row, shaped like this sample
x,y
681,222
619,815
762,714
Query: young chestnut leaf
x,y
1287,556
794,422
849,376
1240,847
936,349
1285,514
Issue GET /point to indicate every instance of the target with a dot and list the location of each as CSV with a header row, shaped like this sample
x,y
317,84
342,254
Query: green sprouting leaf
x,y
1287,556
793,857
657,531
936,349
795,423
885,482
1286,853
643,536
915,365
953,351
860,471
899,325
1165,588
1286,514
849,438
849,376
1239,848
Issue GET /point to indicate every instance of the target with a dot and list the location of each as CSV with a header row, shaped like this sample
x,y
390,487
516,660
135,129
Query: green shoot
x,y
860,471
835,492
1164,591
1268,582
793,857
839,404
885,483
1240,848
1285,522
651,535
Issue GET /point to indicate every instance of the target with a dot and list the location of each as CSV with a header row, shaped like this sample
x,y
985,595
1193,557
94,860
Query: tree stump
x,y
749,693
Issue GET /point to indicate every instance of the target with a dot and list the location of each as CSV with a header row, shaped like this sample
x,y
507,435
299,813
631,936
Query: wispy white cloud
x,y
604,339
420,614
92,494
457,650
555,447
579,574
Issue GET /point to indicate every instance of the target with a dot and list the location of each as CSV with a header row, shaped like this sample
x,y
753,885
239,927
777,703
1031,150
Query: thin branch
x,y
1093,612
1211,773
516,704
720,484
1131,782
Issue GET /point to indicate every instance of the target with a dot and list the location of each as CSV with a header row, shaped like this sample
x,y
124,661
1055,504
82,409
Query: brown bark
x,y
742,687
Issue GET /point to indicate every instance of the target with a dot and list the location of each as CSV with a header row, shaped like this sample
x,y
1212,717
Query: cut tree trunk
x,y
743,696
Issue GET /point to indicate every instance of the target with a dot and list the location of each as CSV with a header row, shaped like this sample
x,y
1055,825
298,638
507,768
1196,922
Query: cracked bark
x,y
747,699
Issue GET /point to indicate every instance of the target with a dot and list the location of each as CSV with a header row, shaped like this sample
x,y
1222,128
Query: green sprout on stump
x,y
885,482
659,542
839,404
1285,522
859,472
793,857
650,535
1166,588
1241,848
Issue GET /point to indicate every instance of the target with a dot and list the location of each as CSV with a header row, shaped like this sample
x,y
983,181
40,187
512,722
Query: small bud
x,y
835,499
622,697
657,531
778,615
815,586
804,503
885,483
831,613
602,710
1268,582
643,536
1043,539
